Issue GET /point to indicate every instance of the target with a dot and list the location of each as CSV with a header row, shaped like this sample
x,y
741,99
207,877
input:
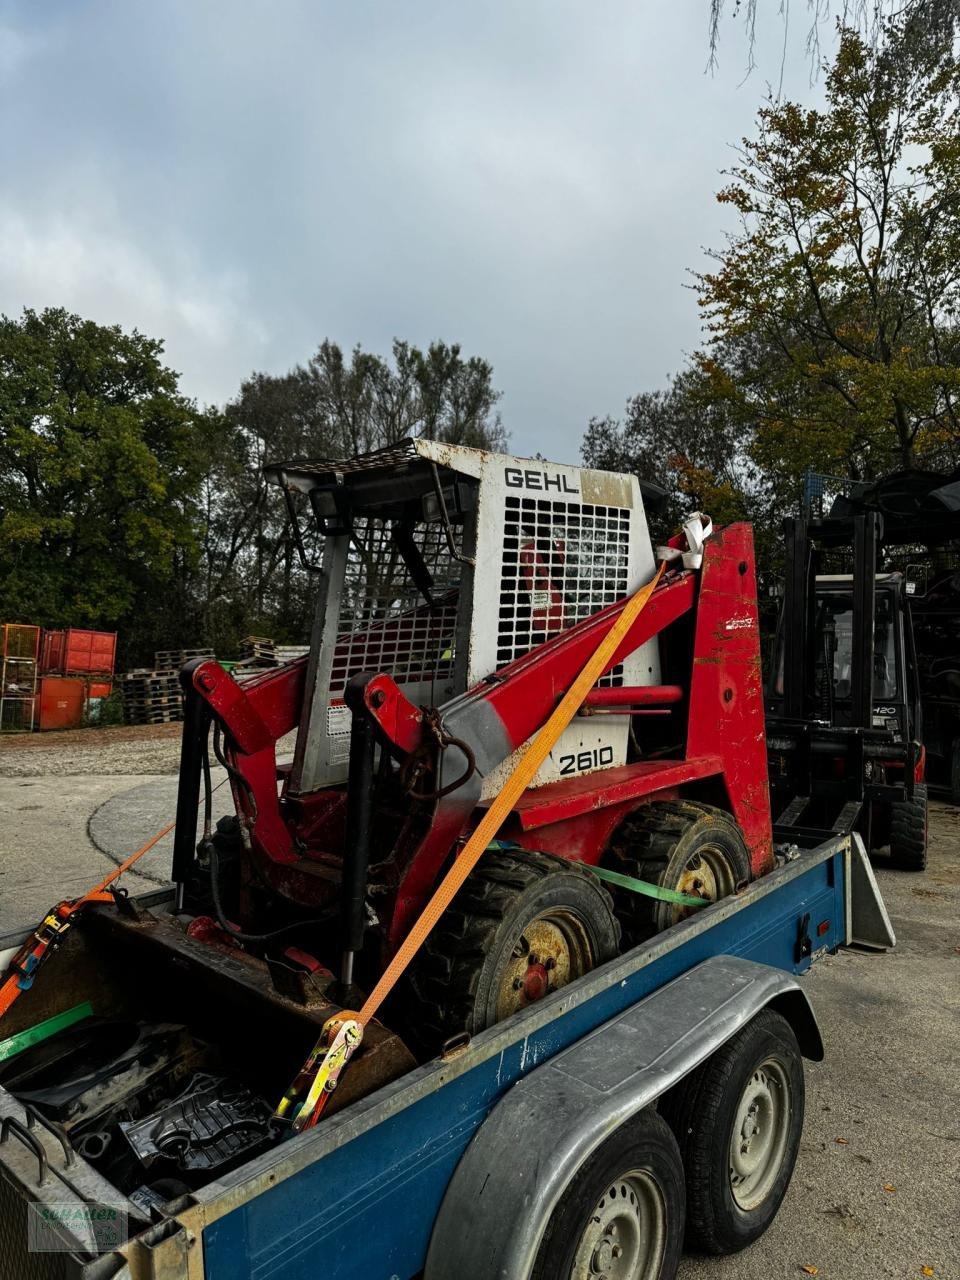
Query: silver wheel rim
x,y
759,1139
625,1238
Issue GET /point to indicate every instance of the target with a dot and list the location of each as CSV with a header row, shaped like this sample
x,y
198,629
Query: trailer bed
x,y
357,1197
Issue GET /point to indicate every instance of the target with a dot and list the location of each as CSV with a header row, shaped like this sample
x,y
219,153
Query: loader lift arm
x,y
496,716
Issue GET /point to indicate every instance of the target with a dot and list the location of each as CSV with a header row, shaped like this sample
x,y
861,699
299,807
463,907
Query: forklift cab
x,y
896,694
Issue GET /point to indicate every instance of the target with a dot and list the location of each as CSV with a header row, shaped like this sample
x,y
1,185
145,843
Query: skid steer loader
x,y
459,594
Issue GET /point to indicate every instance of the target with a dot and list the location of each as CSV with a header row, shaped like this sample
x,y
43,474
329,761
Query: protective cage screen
x,y
385,624
562,562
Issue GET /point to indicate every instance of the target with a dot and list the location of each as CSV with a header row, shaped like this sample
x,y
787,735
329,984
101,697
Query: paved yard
x,y
877,1189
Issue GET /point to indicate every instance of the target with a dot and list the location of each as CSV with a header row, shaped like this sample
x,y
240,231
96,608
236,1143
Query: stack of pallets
x,y
173,659
151,697
256,653
287,652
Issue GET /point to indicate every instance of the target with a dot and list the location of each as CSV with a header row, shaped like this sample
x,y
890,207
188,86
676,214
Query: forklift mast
x,y
800,643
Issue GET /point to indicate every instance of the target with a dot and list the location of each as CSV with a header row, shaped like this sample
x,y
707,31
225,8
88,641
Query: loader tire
x,y
908,831
677,844
523,925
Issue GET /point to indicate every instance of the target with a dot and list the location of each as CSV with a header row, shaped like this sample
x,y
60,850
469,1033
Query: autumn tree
x,y
833,308
675,439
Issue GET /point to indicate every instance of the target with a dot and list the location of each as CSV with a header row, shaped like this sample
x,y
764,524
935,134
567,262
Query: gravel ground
x,y
130,749
122,749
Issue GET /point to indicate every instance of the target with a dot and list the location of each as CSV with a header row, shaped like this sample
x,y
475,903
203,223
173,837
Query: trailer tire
x,y
678,844
628,1195
908,831
465,975
755,1079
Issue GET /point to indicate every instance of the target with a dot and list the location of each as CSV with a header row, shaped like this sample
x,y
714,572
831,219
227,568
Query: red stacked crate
x,y
82,661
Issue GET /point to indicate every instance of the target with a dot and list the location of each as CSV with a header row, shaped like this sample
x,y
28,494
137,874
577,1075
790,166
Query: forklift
x,y
844,719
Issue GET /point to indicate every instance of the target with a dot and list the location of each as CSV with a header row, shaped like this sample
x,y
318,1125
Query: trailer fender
x,y
497,1205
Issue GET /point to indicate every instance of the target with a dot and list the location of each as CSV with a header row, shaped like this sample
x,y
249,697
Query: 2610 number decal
x,y
584,760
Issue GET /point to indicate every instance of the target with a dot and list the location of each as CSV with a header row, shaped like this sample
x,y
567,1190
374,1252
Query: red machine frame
x,y
297,841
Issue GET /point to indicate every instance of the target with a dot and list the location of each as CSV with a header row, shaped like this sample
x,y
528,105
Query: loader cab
x,y
441,565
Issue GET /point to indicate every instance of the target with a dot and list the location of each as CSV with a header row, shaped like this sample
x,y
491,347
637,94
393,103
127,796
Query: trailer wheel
x,y
908,831
524,924
680,845
622,1215
738,1120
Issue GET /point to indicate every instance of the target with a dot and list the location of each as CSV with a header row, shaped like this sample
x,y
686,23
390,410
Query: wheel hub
x,y
625,1236
759,1136
536,981
552,950
706,875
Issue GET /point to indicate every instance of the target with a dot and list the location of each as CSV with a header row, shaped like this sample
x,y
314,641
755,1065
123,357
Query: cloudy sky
x,y
530,178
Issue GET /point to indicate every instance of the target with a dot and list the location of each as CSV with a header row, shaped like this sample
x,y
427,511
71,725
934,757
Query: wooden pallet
x,y
153,717
151,695
173,659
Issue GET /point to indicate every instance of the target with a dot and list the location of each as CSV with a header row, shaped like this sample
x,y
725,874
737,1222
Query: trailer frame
x,y
363,1191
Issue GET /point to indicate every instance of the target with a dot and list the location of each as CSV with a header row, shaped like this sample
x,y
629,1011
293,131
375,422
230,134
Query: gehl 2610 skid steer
x,y
460,595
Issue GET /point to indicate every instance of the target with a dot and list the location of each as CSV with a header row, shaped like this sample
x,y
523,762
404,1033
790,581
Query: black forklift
x,y
844,720
934,588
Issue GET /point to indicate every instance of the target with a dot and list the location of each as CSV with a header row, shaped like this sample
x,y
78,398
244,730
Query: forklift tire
x,y
738,1119
623,1213
908,831
523,924
678,844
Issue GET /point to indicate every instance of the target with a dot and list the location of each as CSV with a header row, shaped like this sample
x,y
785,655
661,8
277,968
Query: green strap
x,y
648,890
626,882
43,1030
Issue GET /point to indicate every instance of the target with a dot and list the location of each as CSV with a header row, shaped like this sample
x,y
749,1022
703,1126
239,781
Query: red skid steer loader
x,y
460,595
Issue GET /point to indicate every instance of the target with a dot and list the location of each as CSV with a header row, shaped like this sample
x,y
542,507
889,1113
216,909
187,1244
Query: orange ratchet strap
x,y
48,935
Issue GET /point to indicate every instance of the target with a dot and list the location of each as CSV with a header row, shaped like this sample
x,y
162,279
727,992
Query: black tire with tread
x,y
908,831
955,771
701,1111
653,842
643,1142
450,981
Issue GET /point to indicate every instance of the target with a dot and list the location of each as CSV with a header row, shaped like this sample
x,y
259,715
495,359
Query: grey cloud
x,y
244,179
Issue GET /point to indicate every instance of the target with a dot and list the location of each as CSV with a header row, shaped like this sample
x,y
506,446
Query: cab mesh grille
x,y
562,562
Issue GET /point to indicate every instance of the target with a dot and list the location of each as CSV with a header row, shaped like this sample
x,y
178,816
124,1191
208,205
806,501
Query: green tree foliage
x,y
936,20
833,308
122,505
99,465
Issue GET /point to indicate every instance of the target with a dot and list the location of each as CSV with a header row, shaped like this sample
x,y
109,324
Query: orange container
x,y
61,703
75,652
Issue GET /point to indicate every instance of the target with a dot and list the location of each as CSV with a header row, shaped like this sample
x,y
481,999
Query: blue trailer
x,y
545,1146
